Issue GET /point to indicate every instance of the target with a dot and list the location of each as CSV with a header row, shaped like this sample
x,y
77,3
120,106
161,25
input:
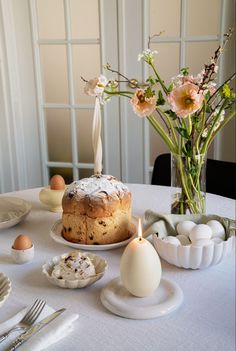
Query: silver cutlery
x,y
28,319
34,329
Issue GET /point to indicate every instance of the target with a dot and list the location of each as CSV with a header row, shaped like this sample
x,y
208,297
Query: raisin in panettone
x,y
96,210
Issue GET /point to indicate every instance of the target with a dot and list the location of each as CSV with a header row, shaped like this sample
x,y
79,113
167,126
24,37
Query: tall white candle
x,y
96,138
140,267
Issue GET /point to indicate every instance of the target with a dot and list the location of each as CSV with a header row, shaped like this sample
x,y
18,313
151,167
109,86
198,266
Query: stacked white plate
x,y
5,288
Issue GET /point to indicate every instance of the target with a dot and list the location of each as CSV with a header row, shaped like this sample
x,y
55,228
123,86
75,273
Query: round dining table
x,y
205,321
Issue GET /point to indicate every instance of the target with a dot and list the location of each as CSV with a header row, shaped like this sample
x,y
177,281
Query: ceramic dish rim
x,y
13,221
4,297
59,282
229,243
58,238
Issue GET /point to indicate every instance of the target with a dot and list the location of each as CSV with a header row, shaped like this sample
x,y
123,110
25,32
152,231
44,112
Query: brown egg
x,y
22,242
57,182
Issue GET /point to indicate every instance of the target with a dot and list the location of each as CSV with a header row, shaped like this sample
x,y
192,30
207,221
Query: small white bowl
x,y
194,257
22,256
5,288
99,263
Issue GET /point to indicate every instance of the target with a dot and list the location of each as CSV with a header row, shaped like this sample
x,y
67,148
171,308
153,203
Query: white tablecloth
x,y
205,321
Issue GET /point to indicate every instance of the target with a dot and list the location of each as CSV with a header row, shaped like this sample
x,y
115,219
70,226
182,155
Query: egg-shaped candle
x,y
140,267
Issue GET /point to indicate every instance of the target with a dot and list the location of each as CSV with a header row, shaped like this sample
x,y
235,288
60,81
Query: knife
x,y
34,329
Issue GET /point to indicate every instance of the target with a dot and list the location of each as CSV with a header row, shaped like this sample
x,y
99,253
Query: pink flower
x,y
143,105
185,99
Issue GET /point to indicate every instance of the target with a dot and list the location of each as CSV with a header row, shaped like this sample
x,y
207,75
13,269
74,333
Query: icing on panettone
x,y
96,210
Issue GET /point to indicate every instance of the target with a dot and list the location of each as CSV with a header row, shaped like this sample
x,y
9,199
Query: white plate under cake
x,y
56,235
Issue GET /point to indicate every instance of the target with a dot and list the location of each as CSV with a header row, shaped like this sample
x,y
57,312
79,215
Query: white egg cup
x,y
52,198
22,256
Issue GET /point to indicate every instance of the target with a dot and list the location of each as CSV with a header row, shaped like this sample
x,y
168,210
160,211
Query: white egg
x,y
200,232
140,268
184,240
184,228
217,240
202,242
172,240
217,229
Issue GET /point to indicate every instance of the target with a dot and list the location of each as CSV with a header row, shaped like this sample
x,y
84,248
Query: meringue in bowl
x,y
74,270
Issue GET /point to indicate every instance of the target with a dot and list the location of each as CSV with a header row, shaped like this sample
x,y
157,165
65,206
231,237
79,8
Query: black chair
x,y
220,175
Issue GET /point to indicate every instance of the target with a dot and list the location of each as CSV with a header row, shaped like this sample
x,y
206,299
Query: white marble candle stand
x,y
116,298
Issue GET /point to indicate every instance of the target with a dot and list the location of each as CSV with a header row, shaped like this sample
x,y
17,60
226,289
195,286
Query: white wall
x,y
20,165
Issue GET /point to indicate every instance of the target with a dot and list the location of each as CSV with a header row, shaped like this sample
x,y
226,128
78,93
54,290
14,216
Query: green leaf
x,y
183,132
185,71
170,87
149,92
160,100
188,150
171,114
151,80
208,109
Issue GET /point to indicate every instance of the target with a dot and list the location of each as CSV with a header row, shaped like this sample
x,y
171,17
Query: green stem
x,y
226,120
184,185
162,133
189,129
118,92
170,125
159,79
203,118
211,131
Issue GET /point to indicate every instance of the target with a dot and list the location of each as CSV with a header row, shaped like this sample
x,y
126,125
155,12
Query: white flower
x,y
96,86
221,118
199,78
147,55
181,79
222,114
209,87
204,133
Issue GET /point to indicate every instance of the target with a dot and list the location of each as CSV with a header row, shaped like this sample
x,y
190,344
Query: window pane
x,y
86,60
203,17
58,135
66,173
85,173
196,61
165,16
167,60
84,19
84,133
51,24
54,70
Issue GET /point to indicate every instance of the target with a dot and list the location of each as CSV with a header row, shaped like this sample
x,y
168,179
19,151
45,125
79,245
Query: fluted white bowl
x,y
191,256
99,263
5,288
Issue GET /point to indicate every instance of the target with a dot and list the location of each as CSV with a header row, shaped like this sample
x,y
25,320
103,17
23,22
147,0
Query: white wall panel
x,y
20,154
132,133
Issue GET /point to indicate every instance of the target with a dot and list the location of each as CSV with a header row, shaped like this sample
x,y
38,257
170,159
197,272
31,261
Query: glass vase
x,y
188,179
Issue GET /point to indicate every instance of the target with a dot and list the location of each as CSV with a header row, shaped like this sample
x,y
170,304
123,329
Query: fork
x,y
28,319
